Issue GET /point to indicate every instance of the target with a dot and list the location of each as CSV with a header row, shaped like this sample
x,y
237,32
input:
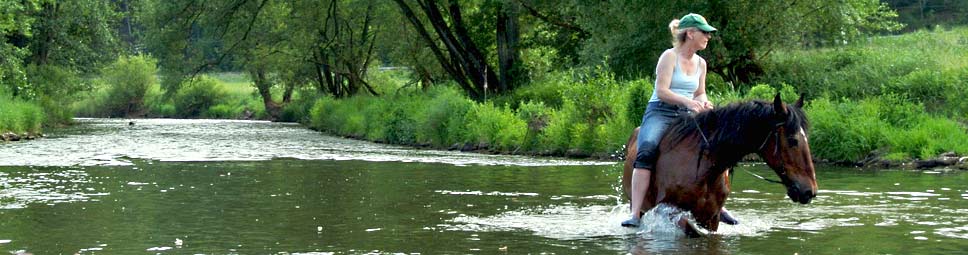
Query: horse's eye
x,y
792,142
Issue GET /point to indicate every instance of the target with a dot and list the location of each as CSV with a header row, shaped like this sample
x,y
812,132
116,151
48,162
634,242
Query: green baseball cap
x,y
696,21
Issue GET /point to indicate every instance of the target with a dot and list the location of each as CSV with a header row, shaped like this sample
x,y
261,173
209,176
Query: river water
x,y
247,187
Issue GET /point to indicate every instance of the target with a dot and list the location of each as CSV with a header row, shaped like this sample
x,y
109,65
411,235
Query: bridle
x,y
776,151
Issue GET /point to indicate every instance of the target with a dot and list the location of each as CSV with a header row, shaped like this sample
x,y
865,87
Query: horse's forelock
x,y
797,119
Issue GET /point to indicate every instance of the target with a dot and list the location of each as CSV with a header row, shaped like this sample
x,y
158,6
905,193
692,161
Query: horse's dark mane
x,y
736,129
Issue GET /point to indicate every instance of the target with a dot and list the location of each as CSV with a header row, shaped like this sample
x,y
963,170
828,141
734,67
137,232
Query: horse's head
x,y
787,150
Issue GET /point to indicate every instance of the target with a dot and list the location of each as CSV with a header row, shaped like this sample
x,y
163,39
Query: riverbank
x,y
903,113
20,118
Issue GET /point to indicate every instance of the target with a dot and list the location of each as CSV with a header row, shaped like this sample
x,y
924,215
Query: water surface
x,y
235,187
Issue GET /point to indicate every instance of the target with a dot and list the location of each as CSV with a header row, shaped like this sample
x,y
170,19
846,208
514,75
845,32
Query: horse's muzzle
x,y
802,196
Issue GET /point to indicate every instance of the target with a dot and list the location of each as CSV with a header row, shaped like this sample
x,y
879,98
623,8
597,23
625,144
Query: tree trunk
x,y
478,69
47,36
125,32
507,45
450,64
263,85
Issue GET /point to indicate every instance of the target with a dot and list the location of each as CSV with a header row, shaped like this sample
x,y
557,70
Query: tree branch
x,y
548,19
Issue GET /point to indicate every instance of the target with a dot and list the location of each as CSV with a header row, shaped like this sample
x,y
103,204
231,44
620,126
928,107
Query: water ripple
x,y
115,142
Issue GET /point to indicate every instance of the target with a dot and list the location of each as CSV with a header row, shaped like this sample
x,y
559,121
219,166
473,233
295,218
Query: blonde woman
x,y
680,87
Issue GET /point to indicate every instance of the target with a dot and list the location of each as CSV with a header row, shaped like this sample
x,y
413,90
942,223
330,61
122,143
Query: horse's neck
x,y
726,153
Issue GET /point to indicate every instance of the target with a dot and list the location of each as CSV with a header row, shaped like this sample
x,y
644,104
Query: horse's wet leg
x,y
711,223
690,229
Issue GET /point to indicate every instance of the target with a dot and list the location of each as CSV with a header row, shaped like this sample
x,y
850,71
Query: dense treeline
x,y
522,76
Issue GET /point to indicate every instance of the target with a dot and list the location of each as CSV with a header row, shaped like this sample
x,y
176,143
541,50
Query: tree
x,y
920,14
278,43
54,36
464,60
76,33
749,30
15,24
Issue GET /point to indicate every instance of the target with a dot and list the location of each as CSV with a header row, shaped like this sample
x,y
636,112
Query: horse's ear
x,y
799,103
778,106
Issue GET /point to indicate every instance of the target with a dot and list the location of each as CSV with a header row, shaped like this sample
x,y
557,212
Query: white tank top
x,y
681,84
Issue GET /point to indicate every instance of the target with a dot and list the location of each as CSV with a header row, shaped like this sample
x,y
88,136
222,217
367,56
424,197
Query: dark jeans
x,y
657,117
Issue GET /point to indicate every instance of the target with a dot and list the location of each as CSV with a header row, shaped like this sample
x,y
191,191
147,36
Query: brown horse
x,y
696,152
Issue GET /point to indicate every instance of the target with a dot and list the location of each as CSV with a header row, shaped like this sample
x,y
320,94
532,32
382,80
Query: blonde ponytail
x,y
678,36
674,27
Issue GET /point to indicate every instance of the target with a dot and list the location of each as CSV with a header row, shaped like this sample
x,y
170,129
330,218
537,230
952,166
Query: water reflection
x,y
31,186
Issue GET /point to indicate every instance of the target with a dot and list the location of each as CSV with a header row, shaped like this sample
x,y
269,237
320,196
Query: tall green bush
x,y
20,116
442,122
884,126
498,127
53,88
537,116
196,96
128,80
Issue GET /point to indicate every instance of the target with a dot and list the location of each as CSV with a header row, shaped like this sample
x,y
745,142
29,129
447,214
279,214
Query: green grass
x,y
897,97
19,116
924,66
593,118
235,98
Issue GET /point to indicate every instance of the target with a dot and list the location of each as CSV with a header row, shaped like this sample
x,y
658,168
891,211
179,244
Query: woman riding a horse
x,y
696,152
680,86
715,139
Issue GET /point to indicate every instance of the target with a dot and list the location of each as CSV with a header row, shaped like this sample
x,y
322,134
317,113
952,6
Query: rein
x,y
776,150
702,146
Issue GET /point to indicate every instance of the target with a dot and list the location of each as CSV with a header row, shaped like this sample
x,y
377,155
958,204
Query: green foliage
x,y
537,116
844,131
766,92
928,138
16,20
633,36
925,66
195,97
498,127
53,87
443,119
924,14
880,126
547,89
128,79
19,116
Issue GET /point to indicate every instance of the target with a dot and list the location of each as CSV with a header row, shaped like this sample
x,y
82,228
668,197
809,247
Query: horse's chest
x,y
689,196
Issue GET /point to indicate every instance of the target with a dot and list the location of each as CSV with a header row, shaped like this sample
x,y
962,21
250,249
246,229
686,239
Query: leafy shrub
x,y
885,126
556,137
399,122
298,109
53,87
844,131
320,112
497,126
20,116
928,86
536,115
129,79
441,123
546,89
928,138
195,97
767,92
639,94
